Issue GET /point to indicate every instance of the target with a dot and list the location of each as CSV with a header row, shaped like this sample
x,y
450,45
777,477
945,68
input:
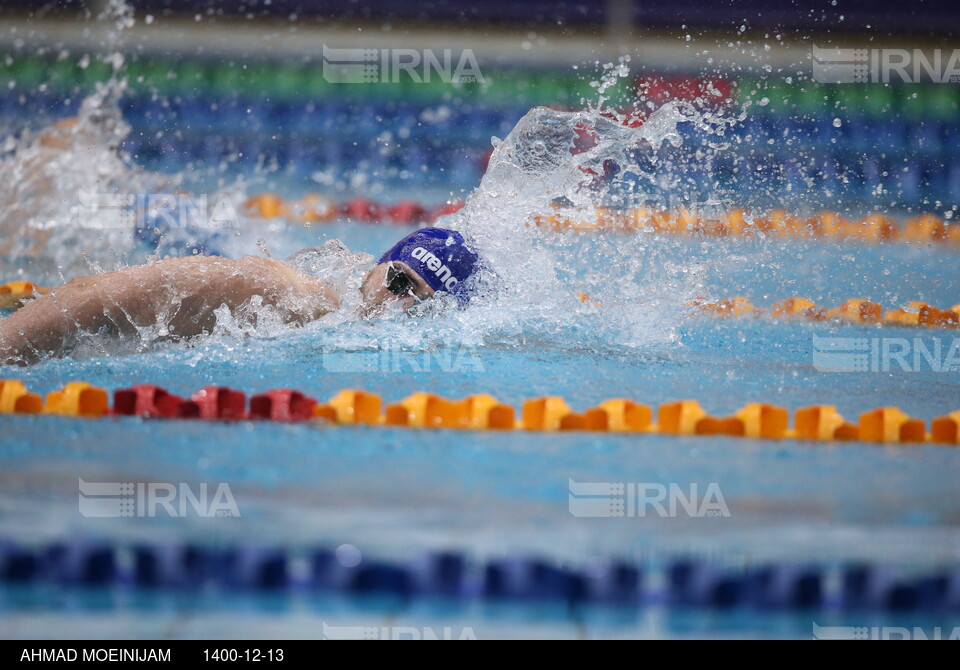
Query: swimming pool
x,y
481,532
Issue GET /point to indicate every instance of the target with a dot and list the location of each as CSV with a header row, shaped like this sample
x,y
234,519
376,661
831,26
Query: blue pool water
x,y
400,493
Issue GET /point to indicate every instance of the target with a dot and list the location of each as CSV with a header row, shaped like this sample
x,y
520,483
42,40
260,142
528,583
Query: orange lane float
x,y
547,414
946,429
352,406
78,399
623,416
315,208
14,294
486,412
15,399
818,423
857,311
737,306
798,308
680,418
763,420
267,206
932,317
889,424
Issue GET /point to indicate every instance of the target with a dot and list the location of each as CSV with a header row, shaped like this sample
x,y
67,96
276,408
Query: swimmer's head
x,y
60,134
429,261
96,129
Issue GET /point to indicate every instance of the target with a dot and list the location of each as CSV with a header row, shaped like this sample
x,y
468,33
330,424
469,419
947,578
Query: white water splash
x,y
533,276
41,180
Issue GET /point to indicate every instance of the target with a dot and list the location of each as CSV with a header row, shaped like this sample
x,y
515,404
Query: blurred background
x,y
222,89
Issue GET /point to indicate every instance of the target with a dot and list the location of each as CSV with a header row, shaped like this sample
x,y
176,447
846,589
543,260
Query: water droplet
x,y
348,556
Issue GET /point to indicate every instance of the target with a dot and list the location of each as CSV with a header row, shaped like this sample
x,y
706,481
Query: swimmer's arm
x,y
50,324
180,294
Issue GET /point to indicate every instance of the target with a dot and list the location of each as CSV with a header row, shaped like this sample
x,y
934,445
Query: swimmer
x,y
29,177
182,294
41,177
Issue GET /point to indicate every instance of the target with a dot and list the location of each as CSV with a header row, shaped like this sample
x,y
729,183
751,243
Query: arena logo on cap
x,y
437,266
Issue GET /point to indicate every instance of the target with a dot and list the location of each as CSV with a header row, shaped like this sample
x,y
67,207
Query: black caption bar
x,y
265,652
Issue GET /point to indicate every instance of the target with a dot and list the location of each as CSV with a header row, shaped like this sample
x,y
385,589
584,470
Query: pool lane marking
x,y
817,423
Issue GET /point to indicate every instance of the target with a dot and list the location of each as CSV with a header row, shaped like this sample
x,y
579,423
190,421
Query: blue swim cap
x,y
438,255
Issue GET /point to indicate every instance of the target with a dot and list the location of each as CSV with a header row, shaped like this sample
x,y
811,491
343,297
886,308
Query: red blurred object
x,y
146,400
699,91
485,160
633,118
586,138
362,209
282,405
215,402
407,212
444,209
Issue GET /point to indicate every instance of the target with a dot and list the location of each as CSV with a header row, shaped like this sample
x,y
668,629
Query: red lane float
x,y
146,400
282,405
215,402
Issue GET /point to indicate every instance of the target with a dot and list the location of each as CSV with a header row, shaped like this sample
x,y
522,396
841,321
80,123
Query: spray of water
x,y
57,218
43,176
571,163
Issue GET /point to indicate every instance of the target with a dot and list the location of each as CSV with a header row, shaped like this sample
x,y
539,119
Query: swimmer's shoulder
x,y
294,279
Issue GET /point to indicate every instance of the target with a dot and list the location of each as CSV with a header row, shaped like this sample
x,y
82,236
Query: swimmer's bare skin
x,y
179,293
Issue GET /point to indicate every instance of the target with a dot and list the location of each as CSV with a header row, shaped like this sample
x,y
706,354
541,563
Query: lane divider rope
x,y
820,423
316,208
777,223
826,225
913,313
676,581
